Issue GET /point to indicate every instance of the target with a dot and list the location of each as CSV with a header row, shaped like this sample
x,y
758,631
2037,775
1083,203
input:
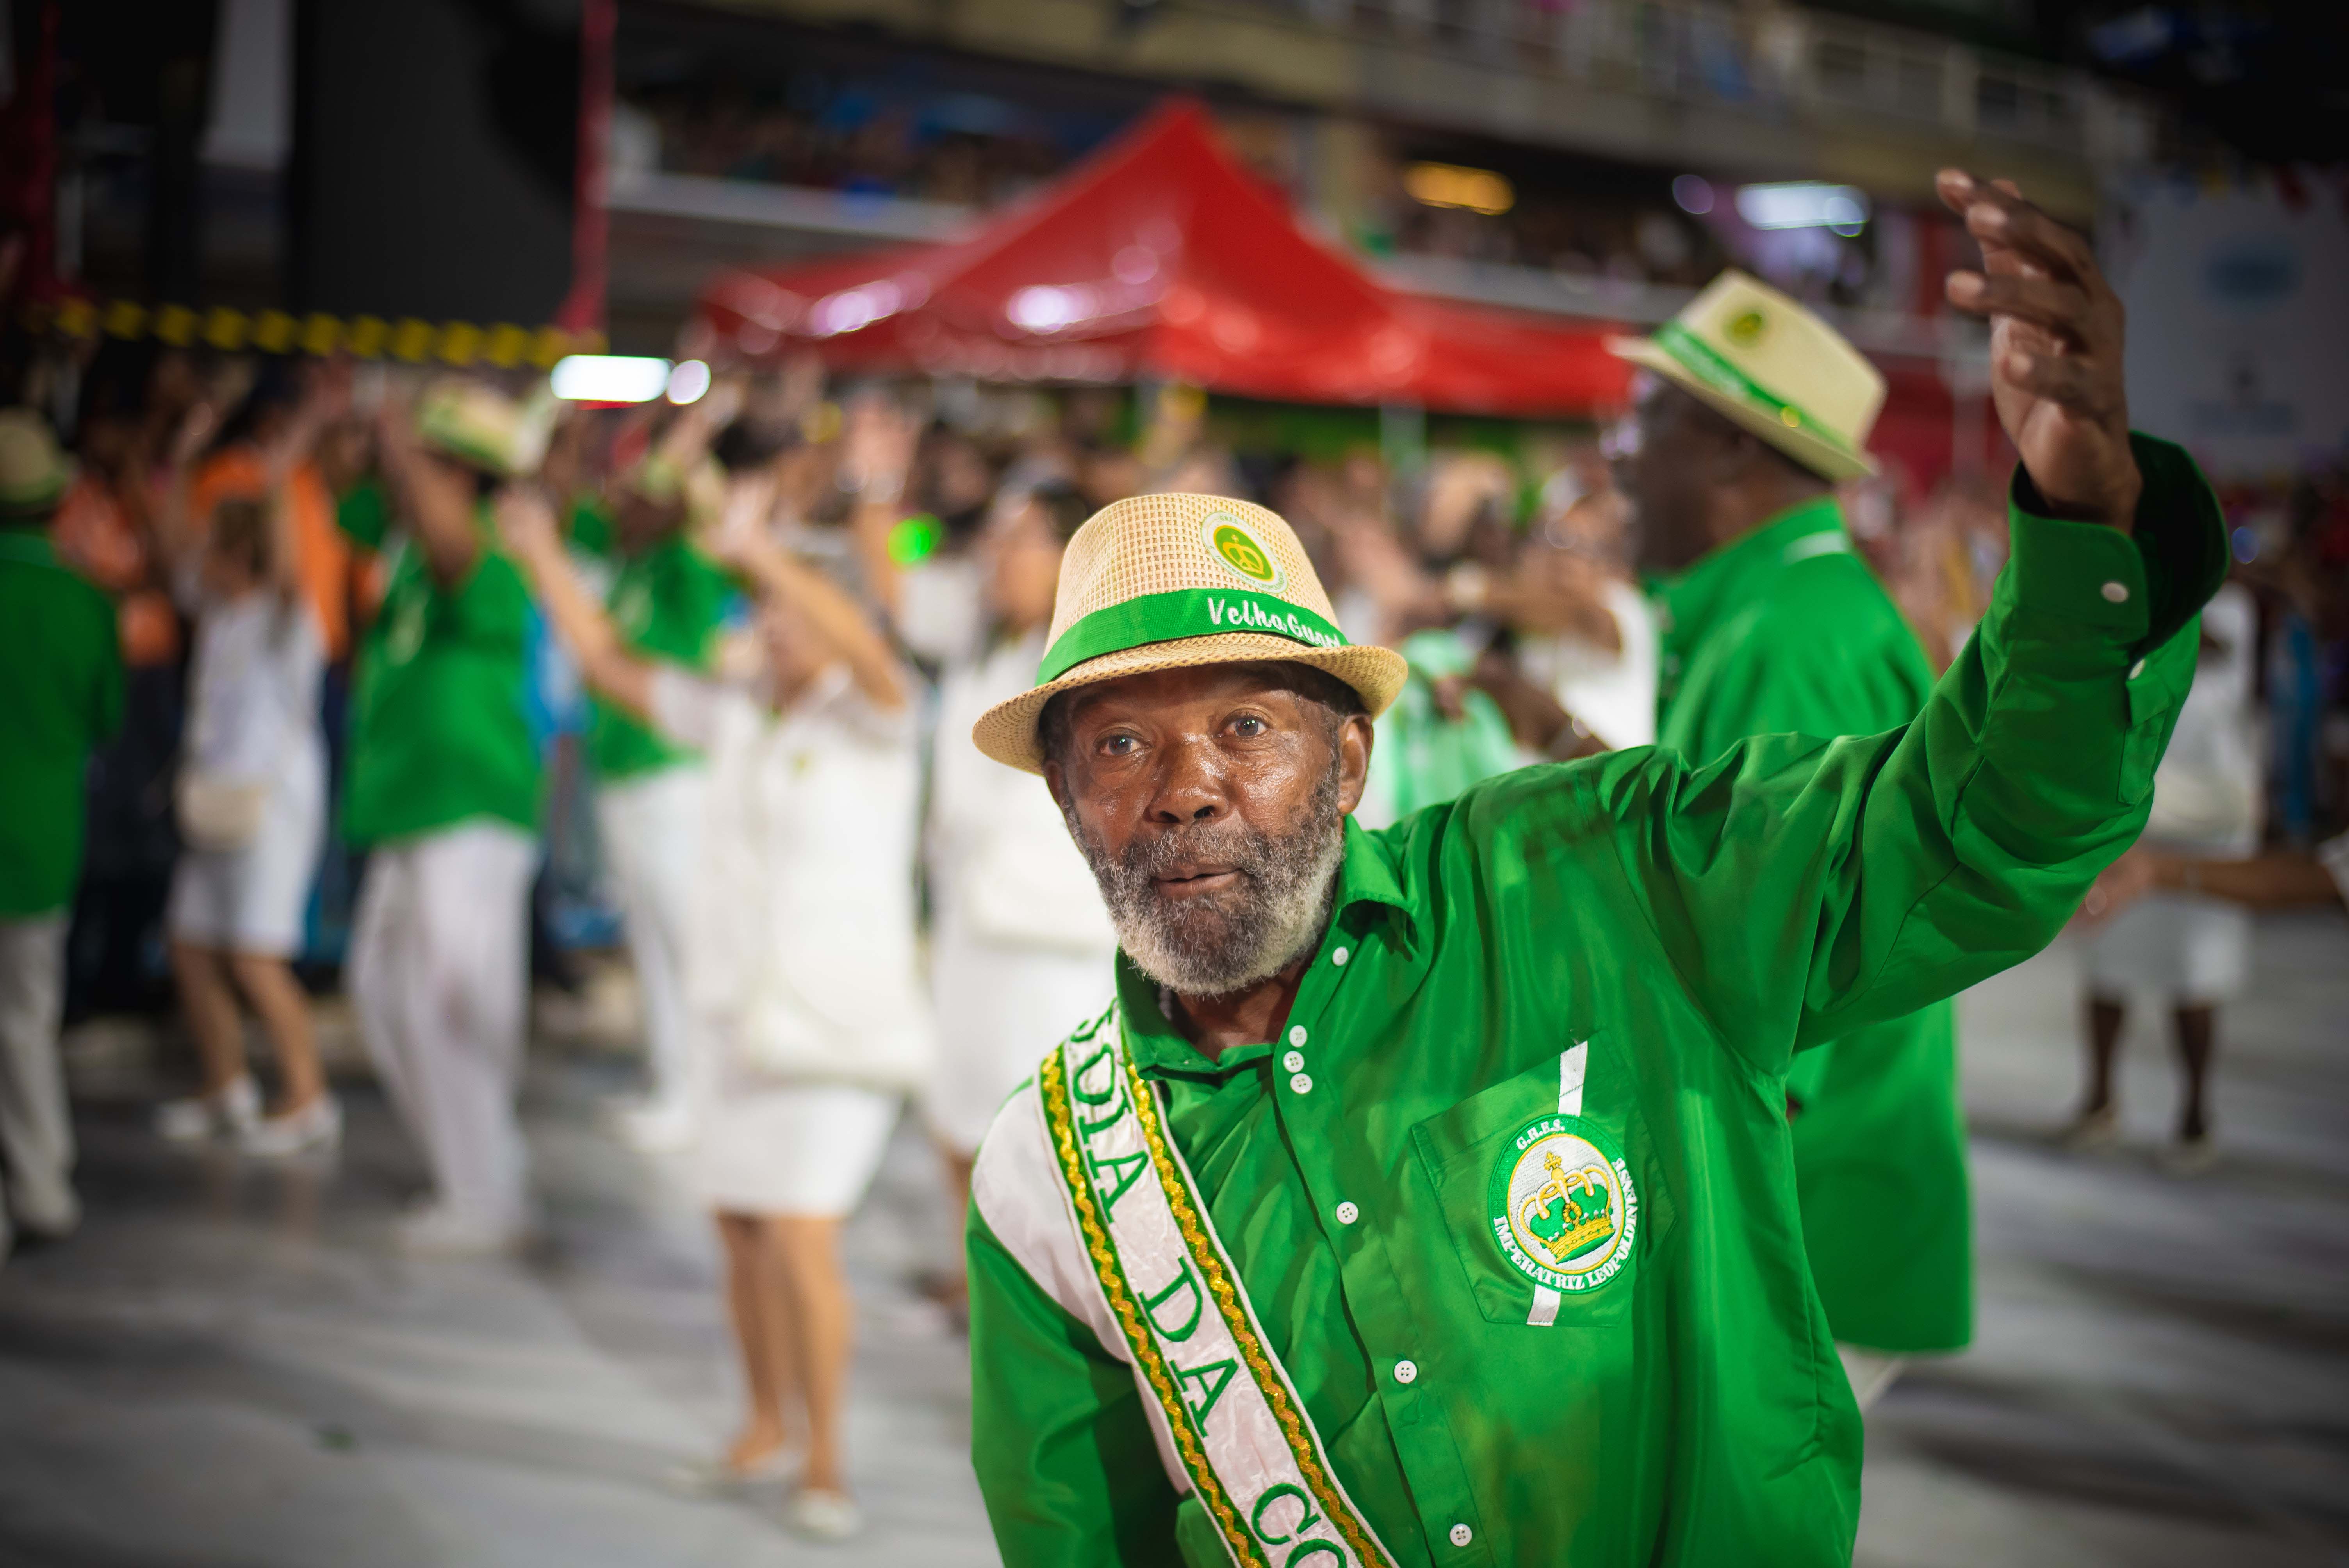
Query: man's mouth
x,y
1196,882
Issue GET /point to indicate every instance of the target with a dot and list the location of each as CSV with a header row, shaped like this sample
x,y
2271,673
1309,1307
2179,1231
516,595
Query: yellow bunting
x,y
364,336
272,332
175,324
125,319
461,341
507,345
551,344
320,332
77,317
224,328
411,340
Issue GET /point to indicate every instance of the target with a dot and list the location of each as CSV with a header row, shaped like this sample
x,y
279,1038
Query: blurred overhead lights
x,y
1693,195
1803,204
1449,185
688,381
609,378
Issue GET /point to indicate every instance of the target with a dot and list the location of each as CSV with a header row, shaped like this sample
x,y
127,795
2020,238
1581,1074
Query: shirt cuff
x,y
2138,587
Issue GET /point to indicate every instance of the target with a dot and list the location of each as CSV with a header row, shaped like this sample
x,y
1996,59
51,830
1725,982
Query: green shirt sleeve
x,y
1067,1463
1810,887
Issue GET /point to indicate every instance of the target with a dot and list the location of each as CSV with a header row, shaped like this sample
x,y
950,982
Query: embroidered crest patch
x,y
1562,1204
1241,550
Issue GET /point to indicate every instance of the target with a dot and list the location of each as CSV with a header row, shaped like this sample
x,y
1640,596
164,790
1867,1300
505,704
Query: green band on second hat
x,y
1704,362
1184,612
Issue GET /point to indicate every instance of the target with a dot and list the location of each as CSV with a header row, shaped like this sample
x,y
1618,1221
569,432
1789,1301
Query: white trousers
x,y
440,977
36,1142
651,826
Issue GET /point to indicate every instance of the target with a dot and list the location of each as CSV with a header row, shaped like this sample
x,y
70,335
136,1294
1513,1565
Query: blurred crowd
x,y
360,658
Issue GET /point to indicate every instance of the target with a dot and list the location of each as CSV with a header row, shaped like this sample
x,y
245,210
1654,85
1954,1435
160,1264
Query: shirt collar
x,y
1366,877
1696,594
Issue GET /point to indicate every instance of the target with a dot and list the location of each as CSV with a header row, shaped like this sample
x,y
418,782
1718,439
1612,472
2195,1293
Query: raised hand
x,y
2055,350
526,523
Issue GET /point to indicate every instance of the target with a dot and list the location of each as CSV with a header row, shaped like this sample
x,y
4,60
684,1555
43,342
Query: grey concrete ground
x,y
227,1366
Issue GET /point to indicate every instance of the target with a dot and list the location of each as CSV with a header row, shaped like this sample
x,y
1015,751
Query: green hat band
x,y
1700,359
1184,612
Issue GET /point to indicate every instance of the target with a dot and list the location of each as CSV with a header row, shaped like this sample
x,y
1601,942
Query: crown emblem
x,y
1562,1204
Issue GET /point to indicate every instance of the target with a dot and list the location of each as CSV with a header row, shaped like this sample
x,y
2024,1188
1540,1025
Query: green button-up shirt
x,y
1786,631
1695,925
60,697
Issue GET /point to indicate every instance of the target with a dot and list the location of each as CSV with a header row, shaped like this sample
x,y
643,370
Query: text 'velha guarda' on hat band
x,y
1183,612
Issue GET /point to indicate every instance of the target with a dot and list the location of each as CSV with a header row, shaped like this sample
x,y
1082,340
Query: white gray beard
x,y
1215,946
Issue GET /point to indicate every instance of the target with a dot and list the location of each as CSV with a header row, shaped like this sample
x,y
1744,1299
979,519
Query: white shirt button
x,y
1461,1535
1347,1213
1296,1034
1293,1062
2114,593
1406,1371
1301,1084
1340,957
2137,669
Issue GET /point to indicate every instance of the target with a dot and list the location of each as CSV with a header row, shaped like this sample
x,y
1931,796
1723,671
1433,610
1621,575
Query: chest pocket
x,y
1540,1181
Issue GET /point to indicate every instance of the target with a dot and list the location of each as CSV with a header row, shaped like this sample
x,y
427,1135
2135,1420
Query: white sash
x,y
1239,1429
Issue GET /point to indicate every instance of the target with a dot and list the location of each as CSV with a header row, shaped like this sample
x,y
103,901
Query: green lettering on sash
x,y
1306,1519
1186,1280
1309,1549
1211,1379
1139,1160
1077,1080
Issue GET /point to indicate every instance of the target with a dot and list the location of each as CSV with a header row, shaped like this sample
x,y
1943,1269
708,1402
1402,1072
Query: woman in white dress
x,y
800,965
2191,950
1019,945
252,798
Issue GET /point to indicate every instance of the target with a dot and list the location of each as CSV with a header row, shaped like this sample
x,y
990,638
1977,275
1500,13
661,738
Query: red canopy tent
x,y
1161,257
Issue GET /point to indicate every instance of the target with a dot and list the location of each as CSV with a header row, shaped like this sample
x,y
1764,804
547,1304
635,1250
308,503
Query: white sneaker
x,y
229,1111
823,1515
657,1126
435,1229
317,1124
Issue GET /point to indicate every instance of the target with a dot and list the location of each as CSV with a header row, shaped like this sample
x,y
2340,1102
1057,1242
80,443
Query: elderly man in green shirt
x,y
1747,409
1428,1195
60,695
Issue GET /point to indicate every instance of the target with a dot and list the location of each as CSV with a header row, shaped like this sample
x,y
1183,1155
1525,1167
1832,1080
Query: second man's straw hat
x,y
1775,367
1169,582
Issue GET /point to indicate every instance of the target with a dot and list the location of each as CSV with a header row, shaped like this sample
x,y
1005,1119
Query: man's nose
x,y
1191,786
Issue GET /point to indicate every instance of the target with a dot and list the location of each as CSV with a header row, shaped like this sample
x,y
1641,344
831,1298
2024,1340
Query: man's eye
x,y
1248,724
1120,745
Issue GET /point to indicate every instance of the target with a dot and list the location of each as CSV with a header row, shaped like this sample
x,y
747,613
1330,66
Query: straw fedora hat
x,y
1169,582
1775,367
33,473
478,424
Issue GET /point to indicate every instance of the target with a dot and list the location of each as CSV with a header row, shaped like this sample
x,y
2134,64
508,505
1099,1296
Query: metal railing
x,y
1778,62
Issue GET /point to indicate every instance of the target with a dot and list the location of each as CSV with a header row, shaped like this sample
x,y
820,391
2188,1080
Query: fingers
x,y
2063,308
2067,379
1996,214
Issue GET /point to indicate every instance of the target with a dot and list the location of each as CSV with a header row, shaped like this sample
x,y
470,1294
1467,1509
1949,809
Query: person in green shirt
x,y
1428,1195
442,789
61,668
668,600
1772,624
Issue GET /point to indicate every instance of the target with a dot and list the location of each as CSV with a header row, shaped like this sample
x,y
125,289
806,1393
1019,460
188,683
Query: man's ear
x,y
1355,738
1057,780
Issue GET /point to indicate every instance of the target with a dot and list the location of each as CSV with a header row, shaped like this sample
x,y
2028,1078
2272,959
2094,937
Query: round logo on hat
x,y
1746,327
1229,541
1562,1205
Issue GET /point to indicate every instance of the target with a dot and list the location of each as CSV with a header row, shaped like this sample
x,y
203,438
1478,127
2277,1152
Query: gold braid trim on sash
x,y
1052,1083
1335,1506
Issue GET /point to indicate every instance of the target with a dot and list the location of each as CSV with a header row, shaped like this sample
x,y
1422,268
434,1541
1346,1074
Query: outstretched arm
x,y
743,543
1817,887
527,523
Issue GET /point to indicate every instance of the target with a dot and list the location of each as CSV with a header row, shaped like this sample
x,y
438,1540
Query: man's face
x,y
1209,802
1660,457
